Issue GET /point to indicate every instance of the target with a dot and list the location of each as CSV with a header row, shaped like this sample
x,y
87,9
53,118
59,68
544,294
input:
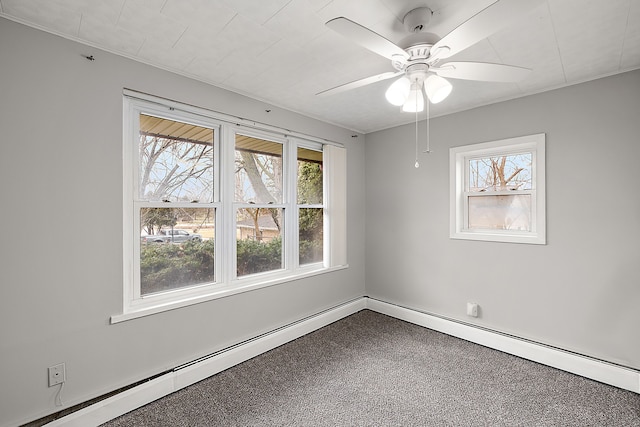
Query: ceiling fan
x,y
418,57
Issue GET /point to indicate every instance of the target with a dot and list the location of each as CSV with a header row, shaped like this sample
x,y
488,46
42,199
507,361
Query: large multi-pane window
x,y
211,207
498,191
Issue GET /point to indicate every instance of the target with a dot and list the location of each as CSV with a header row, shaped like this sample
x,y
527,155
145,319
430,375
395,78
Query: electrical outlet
x,y
472,309
57,374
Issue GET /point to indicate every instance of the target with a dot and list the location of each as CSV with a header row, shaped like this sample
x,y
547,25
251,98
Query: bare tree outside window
x,y
500,173
175,168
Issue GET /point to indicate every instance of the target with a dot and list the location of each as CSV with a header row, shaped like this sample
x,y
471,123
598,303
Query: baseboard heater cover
x,y
200,369
598,370
191,373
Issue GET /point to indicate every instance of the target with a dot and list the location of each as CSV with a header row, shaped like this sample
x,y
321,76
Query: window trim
x,y
222,291
458,180
226,283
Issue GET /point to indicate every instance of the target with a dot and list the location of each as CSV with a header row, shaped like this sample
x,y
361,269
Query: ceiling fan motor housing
x,y
418,58
417,19
417,73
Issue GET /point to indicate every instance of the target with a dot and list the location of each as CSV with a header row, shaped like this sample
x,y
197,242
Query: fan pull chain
x,y
428,150
417,165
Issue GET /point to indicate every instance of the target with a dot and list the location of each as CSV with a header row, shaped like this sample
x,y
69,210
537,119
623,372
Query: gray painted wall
x,y
581,291
61,180
61,264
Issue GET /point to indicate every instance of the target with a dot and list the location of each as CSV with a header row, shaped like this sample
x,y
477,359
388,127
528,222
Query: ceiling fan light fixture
x,y
415,101
398,92
437,88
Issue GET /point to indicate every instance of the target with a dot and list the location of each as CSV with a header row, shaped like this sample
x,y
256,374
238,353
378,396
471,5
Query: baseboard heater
x,y
302,321
203,367
586,366
190,373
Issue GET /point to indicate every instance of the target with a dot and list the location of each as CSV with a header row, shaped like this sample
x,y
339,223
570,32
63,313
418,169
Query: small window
x,y
497,191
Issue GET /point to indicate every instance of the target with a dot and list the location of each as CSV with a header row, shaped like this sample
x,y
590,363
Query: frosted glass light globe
x,y
415,101
437,88
398,91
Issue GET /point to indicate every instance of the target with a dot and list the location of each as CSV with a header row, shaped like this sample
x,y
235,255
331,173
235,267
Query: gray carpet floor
x,y
373,370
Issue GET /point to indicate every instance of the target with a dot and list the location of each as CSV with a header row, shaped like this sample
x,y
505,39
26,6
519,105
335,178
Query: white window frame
x,y
459,158
226,283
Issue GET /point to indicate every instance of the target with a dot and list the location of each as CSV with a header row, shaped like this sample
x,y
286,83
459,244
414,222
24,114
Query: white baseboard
x,y
141,395
164,385
604,372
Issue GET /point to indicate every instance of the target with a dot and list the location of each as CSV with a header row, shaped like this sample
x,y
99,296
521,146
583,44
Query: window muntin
x,y
498,192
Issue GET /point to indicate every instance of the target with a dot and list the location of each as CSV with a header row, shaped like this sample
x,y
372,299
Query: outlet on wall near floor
x,y
472,309
57,374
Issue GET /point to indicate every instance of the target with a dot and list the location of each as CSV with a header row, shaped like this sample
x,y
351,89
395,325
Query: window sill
x,y
497,236
220,291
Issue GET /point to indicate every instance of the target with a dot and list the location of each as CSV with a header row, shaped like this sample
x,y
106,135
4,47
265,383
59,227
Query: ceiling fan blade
x,y
360,83
482,71
480,26
365,37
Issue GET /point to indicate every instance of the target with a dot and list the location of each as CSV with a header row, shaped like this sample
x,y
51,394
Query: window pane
x,y
258,170
309,177
310,234
500,212
176,248
259,241
176,161
500,173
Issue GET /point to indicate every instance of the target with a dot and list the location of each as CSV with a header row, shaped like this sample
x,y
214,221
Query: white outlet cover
x,y
57,374
472,309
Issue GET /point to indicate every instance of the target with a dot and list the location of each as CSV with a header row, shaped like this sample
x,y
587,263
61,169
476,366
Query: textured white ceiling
x,y
280,52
